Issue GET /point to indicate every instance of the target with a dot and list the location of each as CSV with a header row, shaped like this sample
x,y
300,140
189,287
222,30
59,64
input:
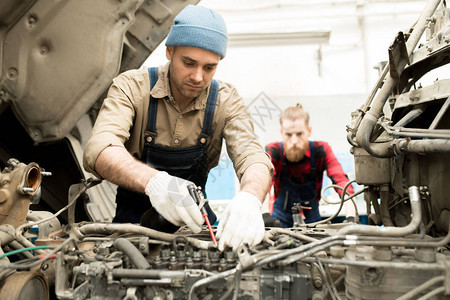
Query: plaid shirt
x,y
300,172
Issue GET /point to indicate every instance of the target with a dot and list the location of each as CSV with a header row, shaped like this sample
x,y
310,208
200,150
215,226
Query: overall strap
x,y
153,105
284,167
207,129
313,159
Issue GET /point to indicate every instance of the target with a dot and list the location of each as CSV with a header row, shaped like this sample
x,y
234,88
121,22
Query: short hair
x,y
293,113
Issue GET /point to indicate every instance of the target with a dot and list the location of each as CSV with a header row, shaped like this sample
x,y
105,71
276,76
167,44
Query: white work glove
x,y
170,197
241,222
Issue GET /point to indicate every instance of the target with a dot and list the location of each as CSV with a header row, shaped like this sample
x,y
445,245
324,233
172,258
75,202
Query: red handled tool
x,y
196,195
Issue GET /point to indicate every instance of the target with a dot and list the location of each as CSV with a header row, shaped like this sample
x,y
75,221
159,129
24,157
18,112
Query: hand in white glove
x,y
241,222
170,197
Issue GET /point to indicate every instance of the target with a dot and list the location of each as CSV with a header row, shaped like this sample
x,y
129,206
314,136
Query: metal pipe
x,y
16,245
423,287
293,258
328,241
445,132
414,198
143,274
379,264
210,279
386,241
62,290
413,170
423,146
132,253
7,233
273,231
384,200
431,294
136,229
396,131
145,282
370,119
351,133
440,114
373,198
303,251
425,135
410,116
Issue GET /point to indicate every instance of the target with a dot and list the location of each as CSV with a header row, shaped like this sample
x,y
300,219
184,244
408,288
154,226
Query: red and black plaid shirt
x,y
300,172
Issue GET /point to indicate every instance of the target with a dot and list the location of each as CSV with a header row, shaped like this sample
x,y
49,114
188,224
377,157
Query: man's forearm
x,y
118,166
256,180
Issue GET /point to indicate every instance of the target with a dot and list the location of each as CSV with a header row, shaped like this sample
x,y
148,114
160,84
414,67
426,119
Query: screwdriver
x,y
194,192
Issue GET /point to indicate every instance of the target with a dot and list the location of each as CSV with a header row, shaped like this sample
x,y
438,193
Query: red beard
x,y
295,154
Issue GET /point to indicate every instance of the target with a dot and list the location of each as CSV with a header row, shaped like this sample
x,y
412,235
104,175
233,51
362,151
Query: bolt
x,y
317,282
44,50
12,73
32,20
124,21
27,190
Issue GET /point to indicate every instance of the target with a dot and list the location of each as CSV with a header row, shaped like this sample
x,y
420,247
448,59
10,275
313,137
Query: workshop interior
x,y
389,126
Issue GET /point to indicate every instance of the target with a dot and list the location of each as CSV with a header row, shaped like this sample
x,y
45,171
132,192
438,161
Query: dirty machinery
x,y
401,146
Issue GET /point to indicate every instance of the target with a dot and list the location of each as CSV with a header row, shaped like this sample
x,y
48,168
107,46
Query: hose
x,y
110,228
156,274
344,191
423,287
414,198
384,205
423,146
431,294
211,279
16,245
379,264
132,253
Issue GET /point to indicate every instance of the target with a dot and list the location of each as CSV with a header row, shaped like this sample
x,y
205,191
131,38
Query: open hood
x,y
57,58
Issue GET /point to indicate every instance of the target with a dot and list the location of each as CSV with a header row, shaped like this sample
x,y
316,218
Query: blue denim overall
x,y
189,163
292,192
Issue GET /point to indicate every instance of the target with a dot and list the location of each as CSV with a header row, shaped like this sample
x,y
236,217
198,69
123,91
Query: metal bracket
x,y
75,191
245,258
447,278
398,55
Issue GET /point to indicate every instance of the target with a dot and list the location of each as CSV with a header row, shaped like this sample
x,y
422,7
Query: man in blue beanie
x,y
160,130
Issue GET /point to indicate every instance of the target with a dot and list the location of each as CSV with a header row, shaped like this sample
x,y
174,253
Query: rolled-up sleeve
x,y
112,126
242,144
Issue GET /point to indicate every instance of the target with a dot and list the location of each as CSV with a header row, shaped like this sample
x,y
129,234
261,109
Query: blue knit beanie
x,y
200,27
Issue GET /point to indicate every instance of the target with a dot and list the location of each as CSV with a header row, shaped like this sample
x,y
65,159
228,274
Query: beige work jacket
x,y
122,122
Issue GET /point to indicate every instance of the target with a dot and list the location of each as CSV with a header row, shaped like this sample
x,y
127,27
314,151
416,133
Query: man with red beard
x,y
299,165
